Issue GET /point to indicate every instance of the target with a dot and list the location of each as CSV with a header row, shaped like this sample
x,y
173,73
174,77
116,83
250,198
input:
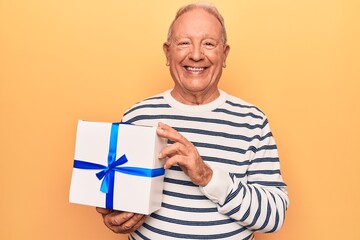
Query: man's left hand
x,y
184,154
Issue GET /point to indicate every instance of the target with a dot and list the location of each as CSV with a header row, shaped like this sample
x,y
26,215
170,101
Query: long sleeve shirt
x,y
246,192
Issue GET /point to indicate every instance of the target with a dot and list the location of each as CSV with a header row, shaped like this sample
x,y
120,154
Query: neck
x,y
195,98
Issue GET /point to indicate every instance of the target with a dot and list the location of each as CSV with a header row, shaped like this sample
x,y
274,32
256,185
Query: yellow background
x,y
64,60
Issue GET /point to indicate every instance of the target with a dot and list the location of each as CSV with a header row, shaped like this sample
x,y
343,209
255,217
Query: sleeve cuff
x,y
218,187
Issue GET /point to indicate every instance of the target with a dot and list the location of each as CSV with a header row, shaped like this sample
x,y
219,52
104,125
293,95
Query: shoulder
x,y
146,105
238,105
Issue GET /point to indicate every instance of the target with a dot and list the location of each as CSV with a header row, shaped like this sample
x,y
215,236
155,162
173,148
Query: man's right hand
x,y
121,222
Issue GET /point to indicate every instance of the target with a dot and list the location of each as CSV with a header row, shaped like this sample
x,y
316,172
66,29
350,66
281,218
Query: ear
x,y
166,49
226,52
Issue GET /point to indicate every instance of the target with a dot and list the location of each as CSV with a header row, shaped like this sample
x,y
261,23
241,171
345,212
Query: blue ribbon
x,y
107,173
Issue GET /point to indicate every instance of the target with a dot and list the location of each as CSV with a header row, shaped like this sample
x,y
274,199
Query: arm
x,y
259,203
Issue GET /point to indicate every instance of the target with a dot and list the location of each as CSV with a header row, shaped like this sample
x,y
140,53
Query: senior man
x,y
222,177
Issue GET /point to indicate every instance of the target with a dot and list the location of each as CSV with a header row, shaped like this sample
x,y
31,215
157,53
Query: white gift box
x,y
116,166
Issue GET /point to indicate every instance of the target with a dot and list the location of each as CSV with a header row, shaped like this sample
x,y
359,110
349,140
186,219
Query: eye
x,y
183,43
209,44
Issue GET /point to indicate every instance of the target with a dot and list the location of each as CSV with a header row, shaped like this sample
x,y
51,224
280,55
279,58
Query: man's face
x,y
196,53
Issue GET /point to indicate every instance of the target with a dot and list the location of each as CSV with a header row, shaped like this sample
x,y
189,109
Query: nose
x,y
196,53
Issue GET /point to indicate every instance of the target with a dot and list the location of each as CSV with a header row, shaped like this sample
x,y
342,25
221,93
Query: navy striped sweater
x,y
246,193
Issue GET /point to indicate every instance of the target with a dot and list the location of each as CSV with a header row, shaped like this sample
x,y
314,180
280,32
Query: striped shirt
x,y
246,192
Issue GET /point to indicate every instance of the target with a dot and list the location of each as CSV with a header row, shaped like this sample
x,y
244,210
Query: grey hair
x,y
208,7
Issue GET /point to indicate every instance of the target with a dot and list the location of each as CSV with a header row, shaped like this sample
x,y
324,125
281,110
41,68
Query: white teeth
x,y
195,69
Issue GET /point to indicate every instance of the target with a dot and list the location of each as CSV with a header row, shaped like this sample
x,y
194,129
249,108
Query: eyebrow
x,y
202,37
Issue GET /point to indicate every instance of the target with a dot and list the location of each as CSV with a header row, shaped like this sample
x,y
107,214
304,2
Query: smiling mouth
x,y
195,69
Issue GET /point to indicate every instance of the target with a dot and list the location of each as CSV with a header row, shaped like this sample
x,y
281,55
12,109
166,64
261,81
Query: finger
x,y
129,226
117,218
168,132
103,211
171,150
140,222
134,222
175,160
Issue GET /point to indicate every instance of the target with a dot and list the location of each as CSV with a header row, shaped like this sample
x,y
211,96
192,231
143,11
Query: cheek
x,y
177,56
216,58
